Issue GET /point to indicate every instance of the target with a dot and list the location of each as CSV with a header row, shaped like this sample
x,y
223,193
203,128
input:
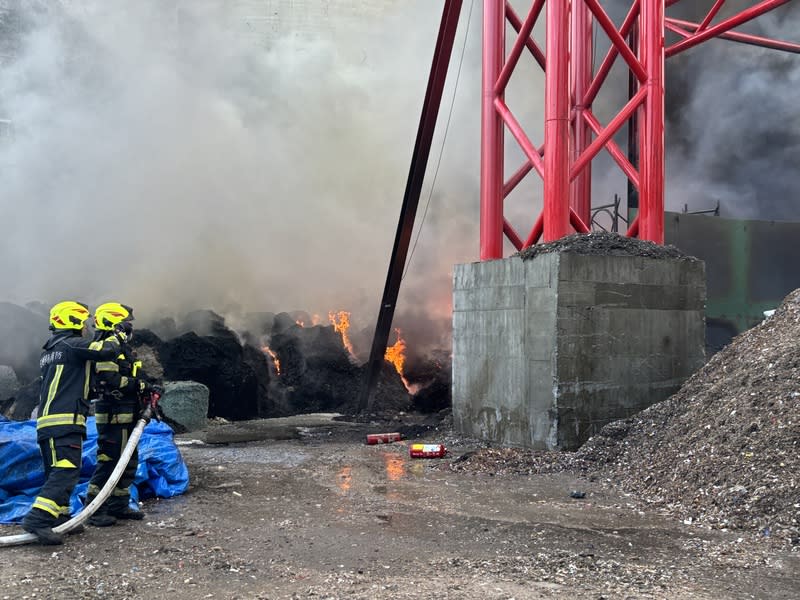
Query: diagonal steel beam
x,y
687,28
723,26
607,133
519,134
711,14
614,150
617,39
516,23
408,211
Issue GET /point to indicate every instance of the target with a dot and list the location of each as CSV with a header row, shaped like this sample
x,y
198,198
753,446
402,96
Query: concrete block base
x,y
548,350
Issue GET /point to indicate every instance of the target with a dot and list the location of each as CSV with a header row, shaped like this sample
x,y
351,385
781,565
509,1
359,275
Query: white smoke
x,y
245,156
733,128
181,155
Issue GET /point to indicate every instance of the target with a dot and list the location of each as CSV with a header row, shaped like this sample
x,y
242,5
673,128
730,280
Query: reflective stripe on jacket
x,y
120,380
66,366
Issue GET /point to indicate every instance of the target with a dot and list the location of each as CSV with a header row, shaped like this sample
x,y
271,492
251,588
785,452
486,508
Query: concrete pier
x,y
548,350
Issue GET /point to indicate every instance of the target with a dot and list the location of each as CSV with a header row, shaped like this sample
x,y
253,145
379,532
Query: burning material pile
x,y
320,369
275,365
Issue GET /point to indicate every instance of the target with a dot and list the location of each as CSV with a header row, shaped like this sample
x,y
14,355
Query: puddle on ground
x,y
395,466
344,479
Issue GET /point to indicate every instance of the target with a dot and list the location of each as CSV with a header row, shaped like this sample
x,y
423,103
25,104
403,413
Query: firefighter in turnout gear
x,y
120,383
66,365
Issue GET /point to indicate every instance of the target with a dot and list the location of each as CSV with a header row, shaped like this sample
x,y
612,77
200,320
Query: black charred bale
x,y
20,406
432,377
205,323
22,334
254,358
217,362
434,397
283,322
146,337
390,395
259,323
165,328
302,318
314,367
318,375
236,375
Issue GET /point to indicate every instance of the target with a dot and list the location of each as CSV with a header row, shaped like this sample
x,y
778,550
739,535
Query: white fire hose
x,y
88,511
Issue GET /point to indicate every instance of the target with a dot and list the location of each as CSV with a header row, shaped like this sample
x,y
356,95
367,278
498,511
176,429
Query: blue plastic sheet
x,y
161,471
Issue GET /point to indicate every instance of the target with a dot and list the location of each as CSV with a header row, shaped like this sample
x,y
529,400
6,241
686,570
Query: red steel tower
x,y
573,136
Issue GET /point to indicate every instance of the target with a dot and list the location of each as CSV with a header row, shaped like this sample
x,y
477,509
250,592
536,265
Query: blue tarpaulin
x,y
161,471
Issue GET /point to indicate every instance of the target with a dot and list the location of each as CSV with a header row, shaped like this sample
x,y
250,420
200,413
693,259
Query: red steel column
x,y
556,122
494,22
651,136
581,78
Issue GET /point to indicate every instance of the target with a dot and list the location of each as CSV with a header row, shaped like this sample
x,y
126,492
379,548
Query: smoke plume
x,y
733,128
182,155
251,156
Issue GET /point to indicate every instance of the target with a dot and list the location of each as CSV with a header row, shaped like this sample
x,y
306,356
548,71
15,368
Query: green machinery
x,y
750,267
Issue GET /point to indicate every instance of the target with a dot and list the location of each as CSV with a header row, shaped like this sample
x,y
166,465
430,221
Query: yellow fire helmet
x,y
109,315
69,315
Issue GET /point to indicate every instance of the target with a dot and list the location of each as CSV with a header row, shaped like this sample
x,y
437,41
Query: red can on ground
x,y
427,451
383,438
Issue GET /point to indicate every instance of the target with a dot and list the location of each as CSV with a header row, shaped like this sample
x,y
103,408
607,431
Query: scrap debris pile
x,y
604,243
723,451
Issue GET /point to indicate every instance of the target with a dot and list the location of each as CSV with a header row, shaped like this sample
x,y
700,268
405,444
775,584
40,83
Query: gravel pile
x,y
724,451
604,243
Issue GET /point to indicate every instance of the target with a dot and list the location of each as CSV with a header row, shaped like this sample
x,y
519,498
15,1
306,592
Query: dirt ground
x,y
302,508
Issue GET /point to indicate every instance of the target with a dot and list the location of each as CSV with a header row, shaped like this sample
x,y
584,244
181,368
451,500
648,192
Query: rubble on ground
x,y
724,451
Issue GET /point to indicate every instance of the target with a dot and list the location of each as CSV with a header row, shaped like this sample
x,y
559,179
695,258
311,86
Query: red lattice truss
x,y
573,136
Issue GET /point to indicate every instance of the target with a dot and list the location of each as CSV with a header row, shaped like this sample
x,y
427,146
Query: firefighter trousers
x,y
114,427
62,470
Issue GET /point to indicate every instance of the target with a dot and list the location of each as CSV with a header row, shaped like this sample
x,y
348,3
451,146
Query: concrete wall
x,y
548,350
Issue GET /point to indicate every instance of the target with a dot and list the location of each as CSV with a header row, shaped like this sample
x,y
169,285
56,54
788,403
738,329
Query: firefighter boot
x,y
119,507
41,524
100,518
75,530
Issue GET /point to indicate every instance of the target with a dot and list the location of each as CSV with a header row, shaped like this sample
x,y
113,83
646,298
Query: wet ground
x,y
304,509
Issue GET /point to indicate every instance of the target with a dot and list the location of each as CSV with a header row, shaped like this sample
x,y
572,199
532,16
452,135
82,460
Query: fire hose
x,y
151,409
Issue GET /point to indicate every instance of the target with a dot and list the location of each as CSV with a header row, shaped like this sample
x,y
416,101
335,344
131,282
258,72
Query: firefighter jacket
x,y
66,366
119,381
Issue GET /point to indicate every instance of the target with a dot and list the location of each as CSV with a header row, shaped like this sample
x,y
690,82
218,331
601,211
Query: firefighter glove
x,y
126,328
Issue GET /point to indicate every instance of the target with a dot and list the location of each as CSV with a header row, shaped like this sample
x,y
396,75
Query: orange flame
x,y
268,350
315,320
341,323
396,354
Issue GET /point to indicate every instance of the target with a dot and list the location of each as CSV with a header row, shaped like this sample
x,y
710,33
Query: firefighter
x,y
63,406
120,383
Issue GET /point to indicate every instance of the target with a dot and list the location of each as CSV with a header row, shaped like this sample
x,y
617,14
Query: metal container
x,y
427,451
383,438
